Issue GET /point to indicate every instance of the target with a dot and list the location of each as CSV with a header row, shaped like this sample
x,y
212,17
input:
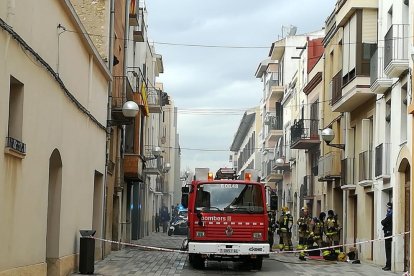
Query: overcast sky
x,y
220,78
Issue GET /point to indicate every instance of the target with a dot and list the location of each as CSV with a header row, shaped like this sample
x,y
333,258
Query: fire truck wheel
x,y
196,261
257,263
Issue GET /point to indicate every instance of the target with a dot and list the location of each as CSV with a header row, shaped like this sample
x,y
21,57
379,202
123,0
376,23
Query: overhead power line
x,y
201,45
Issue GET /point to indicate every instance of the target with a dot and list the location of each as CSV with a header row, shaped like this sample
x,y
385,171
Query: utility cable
x,y
50,70
199,45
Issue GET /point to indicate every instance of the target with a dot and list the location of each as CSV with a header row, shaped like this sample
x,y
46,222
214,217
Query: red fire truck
x,y
227,218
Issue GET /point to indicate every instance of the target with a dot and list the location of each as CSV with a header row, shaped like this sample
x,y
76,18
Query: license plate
x,y
229,250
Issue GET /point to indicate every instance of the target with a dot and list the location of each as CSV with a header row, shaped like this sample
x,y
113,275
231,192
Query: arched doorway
x,y
405,181
53,211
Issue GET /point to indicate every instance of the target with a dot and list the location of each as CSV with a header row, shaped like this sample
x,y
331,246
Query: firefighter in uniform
x,y
285,223
332,230
317,231
304,225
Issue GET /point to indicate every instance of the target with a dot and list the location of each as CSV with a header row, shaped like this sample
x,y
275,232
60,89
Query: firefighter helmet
x,y
342,257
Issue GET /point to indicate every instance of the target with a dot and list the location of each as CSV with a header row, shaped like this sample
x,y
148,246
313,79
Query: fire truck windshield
x,y
229,198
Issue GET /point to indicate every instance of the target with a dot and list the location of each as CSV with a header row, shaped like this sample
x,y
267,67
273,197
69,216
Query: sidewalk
x,y
137,261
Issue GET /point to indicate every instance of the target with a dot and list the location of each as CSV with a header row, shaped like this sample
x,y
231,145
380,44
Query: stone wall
x,y
95,15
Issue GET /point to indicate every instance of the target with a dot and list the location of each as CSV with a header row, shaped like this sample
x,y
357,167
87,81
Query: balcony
x,y
329,167
379,81
355,89
308,184
120,84
140,33
347,174
365,169
396,50
275,130
133,166
154,101
382,161
304,134
272,175
15,148
133,15
283,155
152,165
346,8
335,88
274,89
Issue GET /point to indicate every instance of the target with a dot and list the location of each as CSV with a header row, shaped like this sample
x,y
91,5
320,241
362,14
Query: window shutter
x,y
369,26
345,55
366,130
352,42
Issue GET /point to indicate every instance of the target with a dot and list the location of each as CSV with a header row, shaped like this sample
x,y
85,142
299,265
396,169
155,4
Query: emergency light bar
x,y
250,175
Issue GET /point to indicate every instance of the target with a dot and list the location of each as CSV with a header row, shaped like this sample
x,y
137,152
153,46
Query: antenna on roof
x,y
289,30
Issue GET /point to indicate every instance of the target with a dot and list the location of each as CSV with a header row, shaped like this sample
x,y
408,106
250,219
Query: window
x,y
15,109
14,142
229,197
403,114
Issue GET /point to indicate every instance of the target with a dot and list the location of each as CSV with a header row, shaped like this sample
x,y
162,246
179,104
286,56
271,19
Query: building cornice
x,y
313,83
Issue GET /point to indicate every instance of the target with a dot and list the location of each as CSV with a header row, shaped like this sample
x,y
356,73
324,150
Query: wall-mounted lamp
x,y
129,110
328,135
280,161
167,167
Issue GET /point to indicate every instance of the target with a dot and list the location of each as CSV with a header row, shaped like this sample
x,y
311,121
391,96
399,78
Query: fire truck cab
x,y
227,218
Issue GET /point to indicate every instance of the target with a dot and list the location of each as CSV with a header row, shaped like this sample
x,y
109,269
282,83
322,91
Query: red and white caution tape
x,y
154,248
341,245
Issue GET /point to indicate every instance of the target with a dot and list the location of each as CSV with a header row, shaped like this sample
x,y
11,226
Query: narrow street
x,y
137,261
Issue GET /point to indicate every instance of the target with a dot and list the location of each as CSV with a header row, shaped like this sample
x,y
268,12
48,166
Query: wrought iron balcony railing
x,y
304,129
16,145
336,88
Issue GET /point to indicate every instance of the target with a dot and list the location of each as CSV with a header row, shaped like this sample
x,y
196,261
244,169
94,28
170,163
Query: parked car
x,y
179,224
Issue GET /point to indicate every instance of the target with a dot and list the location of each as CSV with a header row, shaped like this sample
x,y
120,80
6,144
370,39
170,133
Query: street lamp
x,y
156,151
130,109
328,135
167,167
280,162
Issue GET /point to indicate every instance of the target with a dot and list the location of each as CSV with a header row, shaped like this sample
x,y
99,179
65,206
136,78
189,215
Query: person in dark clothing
x,y
165,218
387,227
157,223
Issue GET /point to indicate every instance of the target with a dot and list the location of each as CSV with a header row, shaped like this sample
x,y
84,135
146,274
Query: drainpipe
x,y
109,117
124,87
